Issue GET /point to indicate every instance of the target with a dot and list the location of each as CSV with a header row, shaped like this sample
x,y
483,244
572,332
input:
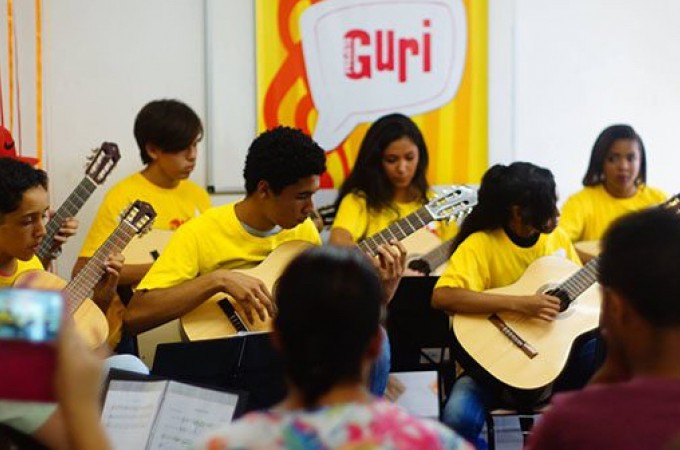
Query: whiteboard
x,y
230,97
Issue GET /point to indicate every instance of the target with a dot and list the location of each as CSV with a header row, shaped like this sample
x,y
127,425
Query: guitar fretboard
x,y
397,230
576,284
69,208
81,286
438,256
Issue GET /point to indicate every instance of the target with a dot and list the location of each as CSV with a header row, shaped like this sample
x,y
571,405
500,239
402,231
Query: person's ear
x,y
375,345
276,340
263,190
152,151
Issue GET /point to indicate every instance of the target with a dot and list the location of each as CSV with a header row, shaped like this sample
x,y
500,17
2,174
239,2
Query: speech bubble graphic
x,y
367,58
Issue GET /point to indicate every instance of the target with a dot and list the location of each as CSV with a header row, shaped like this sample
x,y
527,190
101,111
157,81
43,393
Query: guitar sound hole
x,y
563,295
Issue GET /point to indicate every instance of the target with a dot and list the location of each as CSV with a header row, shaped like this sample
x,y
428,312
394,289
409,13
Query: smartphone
x,y
29,324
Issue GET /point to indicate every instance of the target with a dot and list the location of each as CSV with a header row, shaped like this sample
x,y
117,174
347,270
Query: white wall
x,y
560,71
582,65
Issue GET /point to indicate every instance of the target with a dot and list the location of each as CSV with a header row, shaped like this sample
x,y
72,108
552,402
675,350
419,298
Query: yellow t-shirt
x,y
587,214
173,207
361,222
217,239
489,259
22,266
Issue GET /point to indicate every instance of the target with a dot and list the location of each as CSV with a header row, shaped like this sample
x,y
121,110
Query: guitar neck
x,y
81,286
579,282
398,230
69,208
438,256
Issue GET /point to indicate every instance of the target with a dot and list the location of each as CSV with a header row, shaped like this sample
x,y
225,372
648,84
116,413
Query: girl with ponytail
x,y
513,224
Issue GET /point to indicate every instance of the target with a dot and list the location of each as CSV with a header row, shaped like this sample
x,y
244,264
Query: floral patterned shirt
x,y
377,425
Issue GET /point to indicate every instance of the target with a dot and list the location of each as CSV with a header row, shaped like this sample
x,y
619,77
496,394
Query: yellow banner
x,y
453,119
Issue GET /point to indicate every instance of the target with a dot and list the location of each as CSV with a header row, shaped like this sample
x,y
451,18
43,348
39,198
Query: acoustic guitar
x,y
221,316
89,319
529,353
101,163
434,261
587,250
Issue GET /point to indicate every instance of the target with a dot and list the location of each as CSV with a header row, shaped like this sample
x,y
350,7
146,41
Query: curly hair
x,y
281,156
330,301
640,260
170,125
521,184
595,173
17,177
368,176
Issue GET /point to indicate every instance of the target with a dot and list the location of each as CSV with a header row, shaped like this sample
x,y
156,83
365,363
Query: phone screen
x,y
29,324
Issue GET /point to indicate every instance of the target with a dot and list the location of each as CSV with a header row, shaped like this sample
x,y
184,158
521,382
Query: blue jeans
x,y
465,409
377,381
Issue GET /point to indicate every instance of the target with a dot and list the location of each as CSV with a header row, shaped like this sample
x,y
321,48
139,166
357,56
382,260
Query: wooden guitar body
x,y
587,250
208,320
504,360
144,249
90,321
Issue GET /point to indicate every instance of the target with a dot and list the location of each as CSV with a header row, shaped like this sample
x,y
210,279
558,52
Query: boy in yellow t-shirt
x,y
167,133
513,224
282,172
24,203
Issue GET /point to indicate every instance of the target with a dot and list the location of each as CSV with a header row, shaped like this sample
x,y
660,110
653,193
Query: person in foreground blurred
x,y
330,302
633,402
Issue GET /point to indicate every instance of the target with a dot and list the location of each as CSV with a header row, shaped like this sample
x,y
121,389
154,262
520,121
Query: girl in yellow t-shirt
x,y
387,183
513,224
614,185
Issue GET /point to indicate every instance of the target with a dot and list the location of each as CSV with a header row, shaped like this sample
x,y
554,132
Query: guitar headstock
x,y
140,216
453,202
672,204
102,161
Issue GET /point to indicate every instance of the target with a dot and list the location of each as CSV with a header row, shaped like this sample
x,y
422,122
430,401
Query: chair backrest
x,y
248,363
413,326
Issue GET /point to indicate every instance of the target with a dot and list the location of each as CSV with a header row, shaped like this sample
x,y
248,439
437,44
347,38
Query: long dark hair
x,y
521,184
368,175
595,173
329,306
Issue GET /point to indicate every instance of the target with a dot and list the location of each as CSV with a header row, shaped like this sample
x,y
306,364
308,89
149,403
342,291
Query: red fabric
x,y
27,371
8,149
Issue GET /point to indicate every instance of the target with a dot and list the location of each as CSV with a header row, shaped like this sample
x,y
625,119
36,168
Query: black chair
x,y
244,363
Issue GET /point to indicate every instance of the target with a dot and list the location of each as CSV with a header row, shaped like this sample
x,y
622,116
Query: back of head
x,y
329,301
17,177
530,187
368,176
169,125
282,156
640,260
595,173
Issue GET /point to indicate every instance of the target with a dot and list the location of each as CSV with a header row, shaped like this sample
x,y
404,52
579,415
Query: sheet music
x,y
187,413
130,410
420,396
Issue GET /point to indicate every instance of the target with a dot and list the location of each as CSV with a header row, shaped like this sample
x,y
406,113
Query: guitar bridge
x,y
513,336
229,310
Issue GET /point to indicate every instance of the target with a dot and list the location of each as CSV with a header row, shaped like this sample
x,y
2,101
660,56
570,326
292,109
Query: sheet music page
x,y
420,396
187,413
130,410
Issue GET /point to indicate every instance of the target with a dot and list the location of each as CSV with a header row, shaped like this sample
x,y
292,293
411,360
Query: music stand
x,y
248,363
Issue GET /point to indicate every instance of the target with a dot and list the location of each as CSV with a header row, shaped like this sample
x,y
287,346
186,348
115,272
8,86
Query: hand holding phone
x,y
29,324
